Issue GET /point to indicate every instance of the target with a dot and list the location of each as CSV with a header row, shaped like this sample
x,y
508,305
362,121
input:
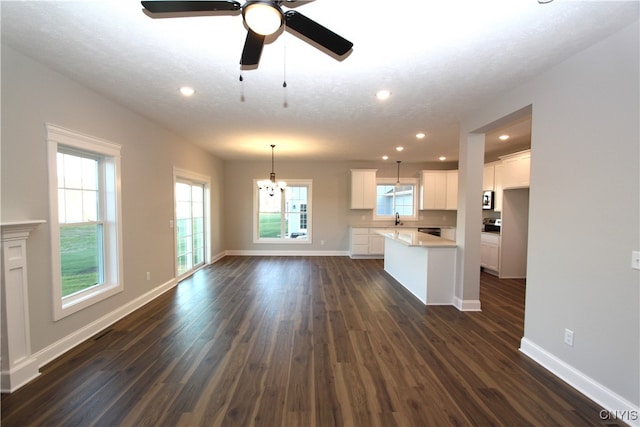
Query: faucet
x,y
397,218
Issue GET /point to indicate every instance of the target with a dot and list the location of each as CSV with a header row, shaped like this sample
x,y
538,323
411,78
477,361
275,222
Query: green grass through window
x,y
269,225
79,257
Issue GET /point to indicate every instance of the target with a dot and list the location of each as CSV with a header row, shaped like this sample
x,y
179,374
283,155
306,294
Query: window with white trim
x,y
392,198
285,216
86,237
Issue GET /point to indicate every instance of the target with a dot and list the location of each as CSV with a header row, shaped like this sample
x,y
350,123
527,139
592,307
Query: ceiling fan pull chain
x,y
285,102
241,87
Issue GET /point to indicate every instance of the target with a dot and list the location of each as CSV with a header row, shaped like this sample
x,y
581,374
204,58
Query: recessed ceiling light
x,y
420,135
442,158
399,148
383,94
385,157
187,91
503,137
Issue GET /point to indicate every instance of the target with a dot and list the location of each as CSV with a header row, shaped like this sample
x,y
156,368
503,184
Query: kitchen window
x,y
392,199
285,216
86,237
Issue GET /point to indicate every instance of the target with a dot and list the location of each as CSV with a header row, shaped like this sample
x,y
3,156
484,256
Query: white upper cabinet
x,y
516,170
363,188
452,191
439,190
497,187
488,177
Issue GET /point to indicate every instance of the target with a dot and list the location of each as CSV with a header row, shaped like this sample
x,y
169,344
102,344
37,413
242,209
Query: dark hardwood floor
x,y
303,341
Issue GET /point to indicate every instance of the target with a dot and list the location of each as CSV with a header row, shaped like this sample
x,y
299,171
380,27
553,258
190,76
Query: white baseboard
x,y
614,404
60,347
218,257
285,253
19,375
466,305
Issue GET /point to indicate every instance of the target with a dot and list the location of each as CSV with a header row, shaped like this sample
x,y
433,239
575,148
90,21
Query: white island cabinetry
x,y
422,263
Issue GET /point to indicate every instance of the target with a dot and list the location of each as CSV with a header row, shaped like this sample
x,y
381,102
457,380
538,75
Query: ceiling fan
x,y
262,18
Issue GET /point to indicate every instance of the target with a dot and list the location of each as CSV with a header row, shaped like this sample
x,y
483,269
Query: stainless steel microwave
x,y
487,200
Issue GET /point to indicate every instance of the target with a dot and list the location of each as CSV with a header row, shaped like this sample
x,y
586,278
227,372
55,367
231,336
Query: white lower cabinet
x,y
366,243
376,244
359,241
490,251
448,233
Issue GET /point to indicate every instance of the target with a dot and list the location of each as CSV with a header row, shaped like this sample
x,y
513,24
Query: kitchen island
x,y
422,263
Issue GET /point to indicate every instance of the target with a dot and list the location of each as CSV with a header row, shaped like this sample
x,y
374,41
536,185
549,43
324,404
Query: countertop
x,y
401,226
414,238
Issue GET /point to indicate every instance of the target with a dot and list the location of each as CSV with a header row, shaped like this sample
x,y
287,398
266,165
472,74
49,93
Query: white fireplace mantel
x,y
18,366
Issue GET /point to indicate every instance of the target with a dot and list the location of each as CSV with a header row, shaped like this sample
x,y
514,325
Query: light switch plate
x,y
635,260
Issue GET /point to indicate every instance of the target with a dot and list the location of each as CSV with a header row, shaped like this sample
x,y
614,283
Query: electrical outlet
x,y
635,260
568,337
148,275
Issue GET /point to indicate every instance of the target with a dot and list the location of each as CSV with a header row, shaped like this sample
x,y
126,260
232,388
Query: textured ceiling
x,y
438,58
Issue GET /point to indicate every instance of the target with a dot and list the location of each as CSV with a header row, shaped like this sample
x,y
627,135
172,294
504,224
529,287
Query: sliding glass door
x,y
190,226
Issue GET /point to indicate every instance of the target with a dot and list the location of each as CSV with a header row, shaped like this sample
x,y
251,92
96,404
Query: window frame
x,y
403,181
308,214
187,176
108,156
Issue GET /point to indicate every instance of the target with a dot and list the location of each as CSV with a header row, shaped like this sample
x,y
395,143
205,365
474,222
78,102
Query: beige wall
x,y
332,215
33,95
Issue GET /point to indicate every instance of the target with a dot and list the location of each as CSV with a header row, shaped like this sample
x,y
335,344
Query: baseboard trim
x,y
218,257
613,403
19,375
65,344
285,253
467,305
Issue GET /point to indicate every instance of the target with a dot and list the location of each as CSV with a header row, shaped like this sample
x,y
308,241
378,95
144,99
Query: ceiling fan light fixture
x,y
262,17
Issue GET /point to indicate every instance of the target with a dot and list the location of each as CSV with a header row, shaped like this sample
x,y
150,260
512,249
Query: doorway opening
x,y
504,241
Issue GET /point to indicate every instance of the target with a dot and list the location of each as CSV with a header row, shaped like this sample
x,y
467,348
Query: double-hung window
x,y
285,216
392,198
86,238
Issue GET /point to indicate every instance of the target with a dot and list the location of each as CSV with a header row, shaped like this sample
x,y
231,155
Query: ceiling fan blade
x,y
316,32
166,6
252,49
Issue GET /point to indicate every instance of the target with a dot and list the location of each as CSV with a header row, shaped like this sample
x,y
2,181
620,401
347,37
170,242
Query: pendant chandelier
x,y
398,180
271,185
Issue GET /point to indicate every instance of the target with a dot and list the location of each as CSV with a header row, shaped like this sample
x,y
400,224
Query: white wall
x,y
33,95
584,216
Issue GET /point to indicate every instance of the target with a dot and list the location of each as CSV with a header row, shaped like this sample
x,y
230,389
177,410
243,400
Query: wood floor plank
x,y
303,341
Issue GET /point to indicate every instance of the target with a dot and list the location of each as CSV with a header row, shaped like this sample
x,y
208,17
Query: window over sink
x,y
392,199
